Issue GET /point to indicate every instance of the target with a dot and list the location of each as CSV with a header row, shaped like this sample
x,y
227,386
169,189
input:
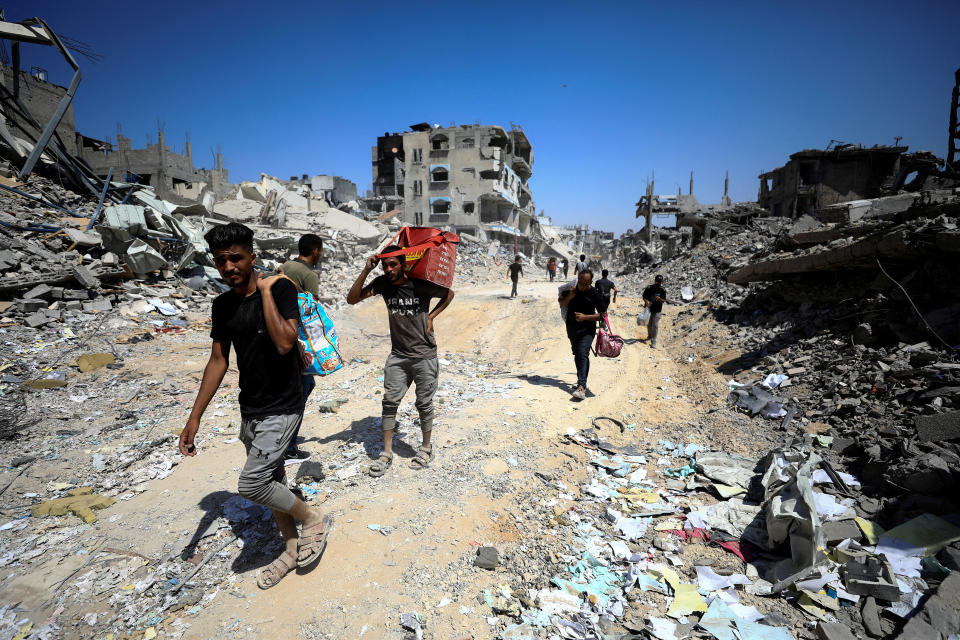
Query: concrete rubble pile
x,y
843,341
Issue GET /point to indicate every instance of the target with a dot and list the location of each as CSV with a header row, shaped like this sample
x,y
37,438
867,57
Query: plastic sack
x,y
562,290
319,345
644,316
608,344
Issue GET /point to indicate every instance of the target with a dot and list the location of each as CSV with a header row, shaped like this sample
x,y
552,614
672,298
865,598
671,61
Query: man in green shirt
x,y
301,271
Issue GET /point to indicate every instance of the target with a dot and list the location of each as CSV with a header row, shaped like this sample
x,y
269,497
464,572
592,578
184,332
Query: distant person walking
x,y
566,267
302,271
585,307
653,298
605,286
515,270
258,317
581,266
552,268
413,356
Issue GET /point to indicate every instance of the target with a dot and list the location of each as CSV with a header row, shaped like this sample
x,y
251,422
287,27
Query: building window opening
x,y
466,143
440,173
439,142
417,187
440,205
468,207
418,155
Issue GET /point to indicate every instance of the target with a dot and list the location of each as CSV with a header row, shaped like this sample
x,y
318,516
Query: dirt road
x,y
404,542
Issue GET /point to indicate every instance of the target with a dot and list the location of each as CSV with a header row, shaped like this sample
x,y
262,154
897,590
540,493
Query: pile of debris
x,y
860,371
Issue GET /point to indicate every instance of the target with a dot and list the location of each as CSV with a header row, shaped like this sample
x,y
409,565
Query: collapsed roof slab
x,y
899,244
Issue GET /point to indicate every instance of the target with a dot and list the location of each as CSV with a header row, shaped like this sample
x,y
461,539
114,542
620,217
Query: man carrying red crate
x,y
413,356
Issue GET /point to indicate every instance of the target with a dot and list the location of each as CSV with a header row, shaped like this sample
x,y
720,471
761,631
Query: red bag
x,y
429,254
608,343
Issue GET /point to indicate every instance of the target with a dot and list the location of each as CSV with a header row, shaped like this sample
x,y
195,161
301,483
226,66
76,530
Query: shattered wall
x,y
41,98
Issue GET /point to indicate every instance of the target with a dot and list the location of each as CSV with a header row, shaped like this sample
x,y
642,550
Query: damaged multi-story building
x,y
469,178
816,181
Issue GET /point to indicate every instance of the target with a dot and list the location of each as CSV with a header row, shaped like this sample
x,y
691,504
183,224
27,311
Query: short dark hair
x,y
605,273
590,271
583,257
225,236
517,259
308,242
658,279
391,249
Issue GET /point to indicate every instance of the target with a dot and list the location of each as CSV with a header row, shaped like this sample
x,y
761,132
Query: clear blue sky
x,y
607,92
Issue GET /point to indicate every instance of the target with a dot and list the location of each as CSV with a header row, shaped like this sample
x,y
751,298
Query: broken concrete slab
x,y
938,427
834,631
85,277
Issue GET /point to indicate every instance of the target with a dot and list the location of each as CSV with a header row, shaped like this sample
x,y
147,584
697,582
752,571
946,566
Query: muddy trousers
x,y
398,373
263,479
580,345
653,328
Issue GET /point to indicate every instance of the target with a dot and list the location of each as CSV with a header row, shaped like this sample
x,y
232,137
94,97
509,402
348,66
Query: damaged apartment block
x,y
472,179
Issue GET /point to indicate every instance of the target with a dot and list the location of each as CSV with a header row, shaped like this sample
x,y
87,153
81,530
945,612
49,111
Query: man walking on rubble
x,y
301,271
259,317
605,286
585,307
653,297
515,270
581,266
413,354
552,268
566,267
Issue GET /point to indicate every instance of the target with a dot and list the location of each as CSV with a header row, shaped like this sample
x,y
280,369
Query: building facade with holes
x,y
469,178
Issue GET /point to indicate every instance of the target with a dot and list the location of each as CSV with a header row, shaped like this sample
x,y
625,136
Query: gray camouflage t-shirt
x,y
409,309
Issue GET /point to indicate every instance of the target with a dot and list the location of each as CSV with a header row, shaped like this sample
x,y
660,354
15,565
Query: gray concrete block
x,y
950,558
73,305
917,629
75,294
941,616
98,305
85,277
39,291
834,631
35,320
835,532
949,589
870,615
29,306
938,427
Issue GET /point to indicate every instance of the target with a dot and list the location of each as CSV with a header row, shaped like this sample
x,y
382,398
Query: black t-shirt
x,y
589,302
604,286
652,292
269,381
409,309
515,270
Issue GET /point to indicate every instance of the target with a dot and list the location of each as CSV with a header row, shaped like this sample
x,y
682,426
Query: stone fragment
x,y
833,631
79,502
487,558
92,361
85,277
835,532
917,629
870,615
35,320
98,305
39,291
938,427
950,558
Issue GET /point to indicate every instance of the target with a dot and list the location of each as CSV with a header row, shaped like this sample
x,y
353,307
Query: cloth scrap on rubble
x,y
722,623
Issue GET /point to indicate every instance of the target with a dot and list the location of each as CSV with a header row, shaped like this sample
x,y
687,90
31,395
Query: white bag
x,y
644,316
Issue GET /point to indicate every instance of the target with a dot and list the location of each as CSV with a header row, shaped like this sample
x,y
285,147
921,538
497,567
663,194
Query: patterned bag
x,y
319,345
608,343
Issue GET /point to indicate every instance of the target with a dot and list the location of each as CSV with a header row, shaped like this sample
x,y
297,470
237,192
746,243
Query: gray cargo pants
x,y
398,373
653,328
263,479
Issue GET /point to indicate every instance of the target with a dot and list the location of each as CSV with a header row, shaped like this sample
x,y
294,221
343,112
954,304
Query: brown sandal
x,y
380,465
423,457
313,542
276,570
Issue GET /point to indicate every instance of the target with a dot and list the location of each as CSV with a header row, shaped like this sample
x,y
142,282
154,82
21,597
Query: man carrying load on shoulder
x,y
413,354
259,317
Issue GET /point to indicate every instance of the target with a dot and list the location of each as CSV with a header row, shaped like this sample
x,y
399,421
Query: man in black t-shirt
x,y
653,297
515,270
585,308
605,286
565,264
259,317
413,354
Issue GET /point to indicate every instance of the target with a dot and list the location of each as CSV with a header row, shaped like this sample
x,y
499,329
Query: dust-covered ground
x,y
401,543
